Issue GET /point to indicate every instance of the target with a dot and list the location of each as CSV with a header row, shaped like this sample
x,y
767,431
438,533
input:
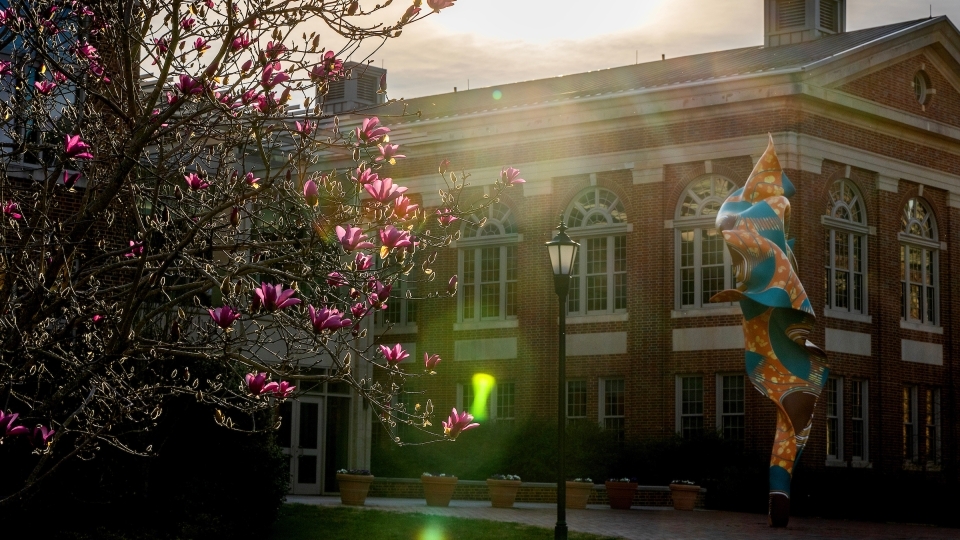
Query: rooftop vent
x,y
796,21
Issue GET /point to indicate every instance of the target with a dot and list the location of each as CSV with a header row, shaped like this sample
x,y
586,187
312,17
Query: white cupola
x,y
795,21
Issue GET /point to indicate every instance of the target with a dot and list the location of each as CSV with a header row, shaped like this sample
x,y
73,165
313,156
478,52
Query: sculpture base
x,y
779,510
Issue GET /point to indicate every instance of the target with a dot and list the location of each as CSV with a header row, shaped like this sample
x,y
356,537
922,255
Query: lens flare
x,y
497,94
432,532
482,386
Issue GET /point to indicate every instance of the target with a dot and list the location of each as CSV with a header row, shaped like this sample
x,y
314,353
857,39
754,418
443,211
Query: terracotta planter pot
x,y
621,494
684,496
438,489
354,488
578,493
503,492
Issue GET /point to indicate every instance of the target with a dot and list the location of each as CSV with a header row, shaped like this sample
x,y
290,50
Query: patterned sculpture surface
x,y
777,316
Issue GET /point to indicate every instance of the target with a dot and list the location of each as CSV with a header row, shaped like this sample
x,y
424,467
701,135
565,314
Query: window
x,y
922,89
599,279
612,409
703,263
730,406
576,401
466,401
858,420
834,413
933,427
488,266
910,424
845,249
401,307
689,406
919,257
506,399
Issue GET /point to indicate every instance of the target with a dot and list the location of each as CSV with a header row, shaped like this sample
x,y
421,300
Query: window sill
x,y
835,463
860,464
588,319
705,312
919,327
847,315
485,325
397,329
932,467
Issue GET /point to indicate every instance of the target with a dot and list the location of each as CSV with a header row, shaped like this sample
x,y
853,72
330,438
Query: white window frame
x,y
495,396
861,461
679,402
853,230
568,402
925,244
719,410
836,458
698,225
612,229
913,443
399,295
932,420
602,402
505,239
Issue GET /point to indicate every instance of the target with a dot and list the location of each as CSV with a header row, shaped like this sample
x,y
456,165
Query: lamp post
x,y
563,251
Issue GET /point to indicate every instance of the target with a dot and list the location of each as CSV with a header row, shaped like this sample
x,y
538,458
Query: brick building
x,y
637,159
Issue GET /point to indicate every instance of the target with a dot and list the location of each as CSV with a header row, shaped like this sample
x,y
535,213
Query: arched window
x,y
845,249
703,263
919,257
488,265
599,281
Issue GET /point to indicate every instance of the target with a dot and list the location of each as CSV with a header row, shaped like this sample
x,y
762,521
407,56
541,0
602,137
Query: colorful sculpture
x,y
777,316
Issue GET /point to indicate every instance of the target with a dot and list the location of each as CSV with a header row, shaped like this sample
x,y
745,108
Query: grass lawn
x,y
302,522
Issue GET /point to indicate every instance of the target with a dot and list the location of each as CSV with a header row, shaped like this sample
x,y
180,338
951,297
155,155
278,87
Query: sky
x,y
482,43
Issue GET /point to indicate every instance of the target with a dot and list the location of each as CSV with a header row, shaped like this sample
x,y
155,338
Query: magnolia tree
x,y
169,201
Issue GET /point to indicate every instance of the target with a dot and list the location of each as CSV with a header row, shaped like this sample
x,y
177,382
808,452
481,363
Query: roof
x,y
675,71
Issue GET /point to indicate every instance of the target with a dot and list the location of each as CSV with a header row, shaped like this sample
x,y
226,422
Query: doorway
x,y
314,434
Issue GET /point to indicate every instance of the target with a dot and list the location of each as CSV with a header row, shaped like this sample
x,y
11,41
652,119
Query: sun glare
x,y
482,386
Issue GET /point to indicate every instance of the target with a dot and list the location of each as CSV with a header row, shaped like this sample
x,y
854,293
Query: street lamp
x,y
563,251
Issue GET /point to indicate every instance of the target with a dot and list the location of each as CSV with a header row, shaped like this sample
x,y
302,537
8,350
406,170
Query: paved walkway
x,y
643,523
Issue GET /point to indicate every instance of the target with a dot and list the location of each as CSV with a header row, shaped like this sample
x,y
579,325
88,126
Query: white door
x,y
301,438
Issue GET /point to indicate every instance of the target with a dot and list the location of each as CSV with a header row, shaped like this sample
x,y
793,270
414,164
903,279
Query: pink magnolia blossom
x,y
352,238
10,210
45,87
395,354
70,179
275,50
362,262
7,428
311,193
76,148
59,77
306,128
283,390
189,86
452,285
41,436
383,190
235,217
324,319
242,41
255,382
201,46
409,14
187,23
195,183
98,72
224,316
403,207
445,217
5,68
437,5
430,361
330,67
8,16
388,153
510,176
247,65
86,51
136,249
359,310
457,423
335,279
162,44
371,131
366,176
251,180
97,319
395,238
272,76
248,97
275,297
379,294
208,3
